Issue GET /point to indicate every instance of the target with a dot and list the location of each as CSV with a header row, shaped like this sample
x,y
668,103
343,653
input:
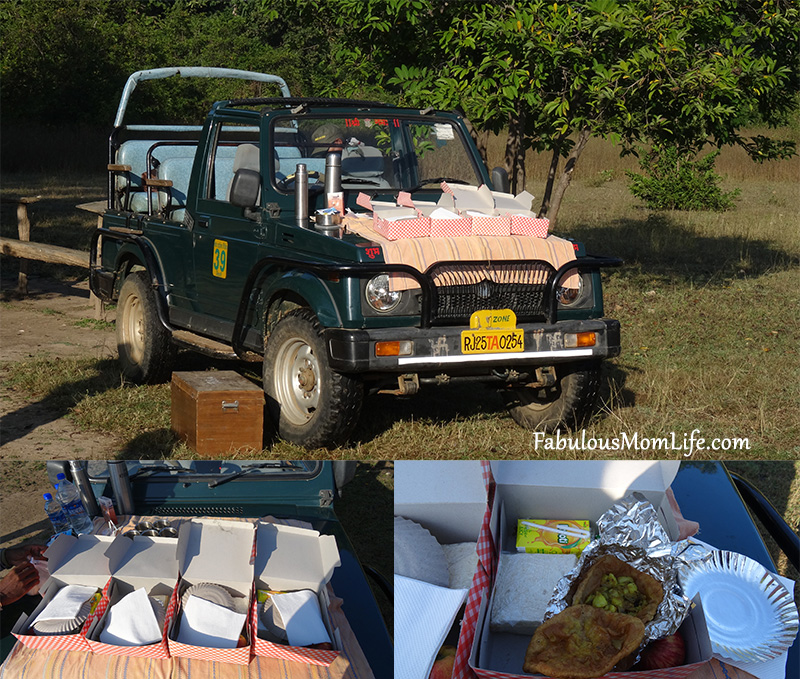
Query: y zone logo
x,y
372,253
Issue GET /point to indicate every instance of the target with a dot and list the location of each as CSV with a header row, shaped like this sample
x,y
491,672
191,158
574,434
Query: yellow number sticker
x,y
219,265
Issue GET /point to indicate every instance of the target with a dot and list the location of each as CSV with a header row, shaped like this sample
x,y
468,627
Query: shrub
x,y
676,180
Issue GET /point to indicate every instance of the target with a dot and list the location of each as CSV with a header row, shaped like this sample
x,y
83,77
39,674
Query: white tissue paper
x,y
301,617
423,615
207,624
131,622
67,603
442,213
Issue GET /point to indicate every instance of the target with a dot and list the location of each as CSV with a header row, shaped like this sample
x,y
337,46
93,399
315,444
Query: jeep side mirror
x,y
245,187
500,180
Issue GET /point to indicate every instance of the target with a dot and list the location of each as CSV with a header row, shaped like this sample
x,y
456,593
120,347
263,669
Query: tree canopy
x,y
548,74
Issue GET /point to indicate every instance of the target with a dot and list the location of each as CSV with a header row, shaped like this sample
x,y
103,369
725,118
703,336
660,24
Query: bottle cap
x,y
47,496
61,475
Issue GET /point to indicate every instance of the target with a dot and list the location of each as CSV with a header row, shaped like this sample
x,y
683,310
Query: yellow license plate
x,y
492,332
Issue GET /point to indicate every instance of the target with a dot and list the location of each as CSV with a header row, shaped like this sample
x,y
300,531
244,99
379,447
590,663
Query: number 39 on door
x,y
219,263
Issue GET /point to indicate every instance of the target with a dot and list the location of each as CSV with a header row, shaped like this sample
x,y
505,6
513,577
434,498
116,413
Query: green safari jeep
x,y
212,240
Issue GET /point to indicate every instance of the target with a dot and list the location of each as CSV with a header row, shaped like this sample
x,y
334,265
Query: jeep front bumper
x,y
438,349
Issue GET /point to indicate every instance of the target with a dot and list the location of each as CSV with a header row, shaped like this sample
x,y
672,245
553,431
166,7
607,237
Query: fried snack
x,y
616,587
582,642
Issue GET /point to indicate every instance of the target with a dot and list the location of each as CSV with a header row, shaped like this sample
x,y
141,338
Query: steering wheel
x,y
290,179
435,180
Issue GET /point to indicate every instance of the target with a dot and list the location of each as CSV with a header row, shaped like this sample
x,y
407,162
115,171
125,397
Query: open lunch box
x,y
563,490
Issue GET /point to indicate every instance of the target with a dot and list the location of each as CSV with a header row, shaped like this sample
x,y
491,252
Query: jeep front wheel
x,y
566,403
311,404
146,352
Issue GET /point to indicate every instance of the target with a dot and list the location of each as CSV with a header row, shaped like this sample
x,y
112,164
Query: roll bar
x,y
192,72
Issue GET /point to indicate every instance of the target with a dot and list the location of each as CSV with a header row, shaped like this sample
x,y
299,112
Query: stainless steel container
x,y
168,532
328,223
81,479
142,526
121,485
301,195
333,174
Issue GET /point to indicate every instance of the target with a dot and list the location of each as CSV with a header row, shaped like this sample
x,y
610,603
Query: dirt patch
x,y
56,319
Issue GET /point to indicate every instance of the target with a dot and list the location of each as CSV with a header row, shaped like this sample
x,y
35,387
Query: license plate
x,y
492,332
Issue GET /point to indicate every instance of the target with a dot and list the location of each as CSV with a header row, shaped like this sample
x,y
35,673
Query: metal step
x,y
204,345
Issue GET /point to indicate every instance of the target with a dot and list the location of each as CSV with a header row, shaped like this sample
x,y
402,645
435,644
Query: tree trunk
x,y
566,175
481,139
515,151
551,178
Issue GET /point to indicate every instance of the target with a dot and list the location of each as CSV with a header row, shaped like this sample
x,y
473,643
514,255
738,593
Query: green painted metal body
x,y
223,271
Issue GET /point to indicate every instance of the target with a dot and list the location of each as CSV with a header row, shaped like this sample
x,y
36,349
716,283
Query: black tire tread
x,y
159,356
580,385
343,405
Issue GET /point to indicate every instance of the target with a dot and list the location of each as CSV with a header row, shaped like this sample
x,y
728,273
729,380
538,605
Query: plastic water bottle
x,y
55,513
70,500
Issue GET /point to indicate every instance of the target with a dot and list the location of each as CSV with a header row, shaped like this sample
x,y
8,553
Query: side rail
x,y
779,530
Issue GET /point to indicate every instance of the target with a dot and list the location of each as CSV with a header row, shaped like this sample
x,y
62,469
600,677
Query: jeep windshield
x,y
396,152
212,471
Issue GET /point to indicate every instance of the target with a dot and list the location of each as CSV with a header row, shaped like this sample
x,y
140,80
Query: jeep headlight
x,y
571,297
379,296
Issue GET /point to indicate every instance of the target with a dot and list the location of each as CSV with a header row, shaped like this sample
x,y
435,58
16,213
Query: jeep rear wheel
x,y
146,352
311,404
566,403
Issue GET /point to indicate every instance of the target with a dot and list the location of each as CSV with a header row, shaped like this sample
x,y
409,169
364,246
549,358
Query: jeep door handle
x,y
202,223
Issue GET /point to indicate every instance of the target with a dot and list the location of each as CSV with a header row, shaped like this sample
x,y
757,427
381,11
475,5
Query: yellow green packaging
x,y
552,536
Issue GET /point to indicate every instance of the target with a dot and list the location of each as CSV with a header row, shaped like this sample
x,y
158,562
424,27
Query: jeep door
x,y
226,241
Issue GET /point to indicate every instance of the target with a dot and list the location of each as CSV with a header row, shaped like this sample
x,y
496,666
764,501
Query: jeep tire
x,y
311,405
146,351
565,404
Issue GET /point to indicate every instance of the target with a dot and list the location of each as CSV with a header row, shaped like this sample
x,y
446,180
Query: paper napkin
x,y
301,617
423,615
210,625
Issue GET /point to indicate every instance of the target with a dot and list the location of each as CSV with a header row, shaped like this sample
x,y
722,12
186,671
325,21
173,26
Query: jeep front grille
x,y
462,288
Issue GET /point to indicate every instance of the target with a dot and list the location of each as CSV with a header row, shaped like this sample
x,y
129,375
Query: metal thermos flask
x,y
301,195
121,485
80,478
333,182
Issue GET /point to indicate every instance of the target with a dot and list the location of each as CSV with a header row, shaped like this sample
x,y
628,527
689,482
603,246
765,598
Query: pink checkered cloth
x,y
421,253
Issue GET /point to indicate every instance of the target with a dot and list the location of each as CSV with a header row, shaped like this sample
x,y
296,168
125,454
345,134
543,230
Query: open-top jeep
x,y
211,240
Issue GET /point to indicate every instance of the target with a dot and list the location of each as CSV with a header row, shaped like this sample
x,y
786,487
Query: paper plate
x,y
750,615
59,626
418,555
216,594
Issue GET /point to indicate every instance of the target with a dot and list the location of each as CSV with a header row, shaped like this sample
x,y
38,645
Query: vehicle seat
x,y
248,157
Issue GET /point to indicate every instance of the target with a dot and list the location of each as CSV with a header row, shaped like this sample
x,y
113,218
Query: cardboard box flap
x,y
147,561
473,198
291,558
507,202
84,559
216,551
448,497
547,488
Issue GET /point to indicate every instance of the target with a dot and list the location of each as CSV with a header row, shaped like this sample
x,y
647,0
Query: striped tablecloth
x,y
421,253
25,662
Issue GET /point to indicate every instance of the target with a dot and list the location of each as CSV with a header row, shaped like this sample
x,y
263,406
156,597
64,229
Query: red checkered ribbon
x,y
481,583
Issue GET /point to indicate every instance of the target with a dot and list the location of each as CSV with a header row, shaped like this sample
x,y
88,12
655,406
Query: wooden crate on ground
x,y
217,412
